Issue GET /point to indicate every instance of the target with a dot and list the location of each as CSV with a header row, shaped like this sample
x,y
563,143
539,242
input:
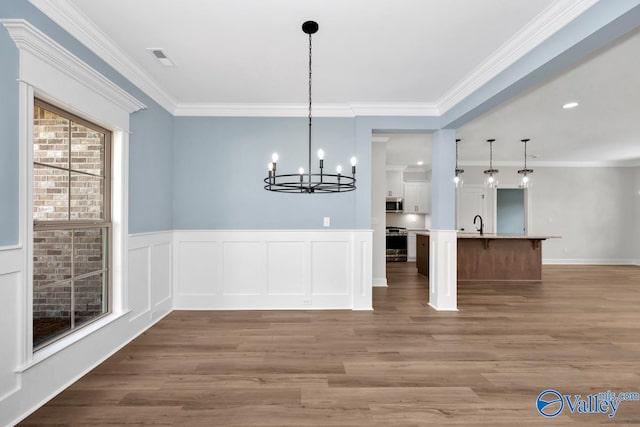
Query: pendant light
x,y
526,181
491,181
458,178
310,182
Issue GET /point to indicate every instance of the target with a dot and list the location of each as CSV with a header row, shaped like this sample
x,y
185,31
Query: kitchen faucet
x,y
481,229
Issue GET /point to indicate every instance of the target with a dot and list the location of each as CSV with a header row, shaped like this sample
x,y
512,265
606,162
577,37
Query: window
x,y
71,223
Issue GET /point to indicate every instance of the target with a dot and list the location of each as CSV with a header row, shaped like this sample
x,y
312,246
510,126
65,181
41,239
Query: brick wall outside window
x,y
76,193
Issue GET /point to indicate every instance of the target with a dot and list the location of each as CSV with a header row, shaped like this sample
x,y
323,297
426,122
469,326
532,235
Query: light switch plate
x,y
327,221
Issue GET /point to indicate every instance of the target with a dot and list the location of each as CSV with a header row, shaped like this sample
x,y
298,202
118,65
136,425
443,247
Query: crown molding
x,y
302,110
76,23
33,41
395,109
261,110
547,23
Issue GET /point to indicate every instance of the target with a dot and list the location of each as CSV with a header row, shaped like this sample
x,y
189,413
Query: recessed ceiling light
x,y
420,163
569,105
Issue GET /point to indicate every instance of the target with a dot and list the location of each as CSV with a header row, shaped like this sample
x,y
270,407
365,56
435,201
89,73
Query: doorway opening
x,y
511,211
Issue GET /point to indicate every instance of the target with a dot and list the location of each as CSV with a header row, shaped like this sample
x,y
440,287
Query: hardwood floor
x,y
403,364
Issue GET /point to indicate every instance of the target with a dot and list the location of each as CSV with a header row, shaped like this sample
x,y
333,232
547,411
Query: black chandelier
x,y
310,182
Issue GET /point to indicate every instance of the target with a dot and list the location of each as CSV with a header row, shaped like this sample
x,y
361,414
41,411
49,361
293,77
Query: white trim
x,y
261,110
272,269
76,23
548,22
380,282
49,71
25,118
30,39
60,345
421,109
589,261
302,110
443,283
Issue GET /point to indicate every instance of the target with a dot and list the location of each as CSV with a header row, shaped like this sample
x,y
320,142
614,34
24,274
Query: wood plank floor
x,y
403,364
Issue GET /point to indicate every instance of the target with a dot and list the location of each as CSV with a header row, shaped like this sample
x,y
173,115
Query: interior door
x,y
510,212
470,201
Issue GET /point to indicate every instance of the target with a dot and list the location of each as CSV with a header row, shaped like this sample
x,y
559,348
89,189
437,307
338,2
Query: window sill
x,y
63,343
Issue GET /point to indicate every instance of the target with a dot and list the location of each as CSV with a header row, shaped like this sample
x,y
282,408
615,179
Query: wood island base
x,y
490,257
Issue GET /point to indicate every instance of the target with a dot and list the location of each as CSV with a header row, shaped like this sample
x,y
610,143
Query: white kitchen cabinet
x,y
394,183
411,246
417,197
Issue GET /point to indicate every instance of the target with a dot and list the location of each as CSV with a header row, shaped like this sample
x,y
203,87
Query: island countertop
x,y
496,236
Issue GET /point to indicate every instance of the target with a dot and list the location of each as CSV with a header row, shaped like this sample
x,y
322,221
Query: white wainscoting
x,y
12,314
443,288
274,269
150,273
27,383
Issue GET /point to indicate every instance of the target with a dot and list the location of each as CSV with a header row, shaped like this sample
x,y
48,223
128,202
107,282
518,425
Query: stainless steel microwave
x,y
394,205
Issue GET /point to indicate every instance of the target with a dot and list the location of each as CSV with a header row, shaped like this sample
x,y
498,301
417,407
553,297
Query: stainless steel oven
x,y
396,244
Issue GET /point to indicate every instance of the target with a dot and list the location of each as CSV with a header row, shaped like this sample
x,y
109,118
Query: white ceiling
x,y
248,51
424,55
603,129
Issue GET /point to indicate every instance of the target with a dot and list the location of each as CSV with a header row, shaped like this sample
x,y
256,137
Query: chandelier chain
x,y
310,56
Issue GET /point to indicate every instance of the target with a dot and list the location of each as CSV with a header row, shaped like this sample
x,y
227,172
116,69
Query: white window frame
x,y
53,74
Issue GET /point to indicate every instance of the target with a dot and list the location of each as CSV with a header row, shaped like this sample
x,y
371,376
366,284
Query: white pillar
x,y
443,292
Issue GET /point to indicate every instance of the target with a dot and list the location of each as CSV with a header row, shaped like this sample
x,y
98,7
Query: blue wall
x,y
220,164
201,173
8,141
150,161
150,171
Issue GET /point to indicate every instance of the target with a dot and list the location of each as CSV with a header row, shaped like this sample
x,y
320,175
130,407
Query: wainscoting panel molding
x,y
149,265
274,269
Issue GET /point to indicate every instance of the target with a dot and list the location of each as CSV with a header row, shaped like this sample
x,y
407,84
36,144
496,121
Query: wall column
x,y
443,290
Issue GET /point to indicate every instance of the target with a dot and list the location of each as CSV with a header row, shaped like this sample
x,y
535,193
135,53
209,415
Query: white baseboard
x,y
380,282
590,261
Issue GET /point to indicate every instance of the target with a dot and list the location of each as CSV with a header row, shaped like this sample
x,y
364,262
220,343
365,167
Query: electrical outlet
x,y
327,221
306,302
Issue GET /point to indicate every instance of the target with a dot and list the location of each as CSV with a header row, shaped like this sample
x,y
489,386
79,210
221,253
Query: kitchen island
x,y
490,256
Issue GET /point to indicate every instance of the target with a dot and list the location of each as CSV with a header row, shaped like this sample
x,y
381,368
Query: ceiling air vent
x,y
161,57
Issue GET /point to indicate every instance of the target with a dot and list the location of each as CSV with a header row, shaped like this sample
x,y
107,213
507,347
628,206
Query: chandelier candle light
x,y
458,178
310,182
525,172
491,181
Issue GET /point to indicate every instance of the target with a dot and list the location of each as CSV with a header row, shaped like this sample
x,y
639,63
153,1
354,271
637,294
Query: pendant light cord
x,y
309,170
490,154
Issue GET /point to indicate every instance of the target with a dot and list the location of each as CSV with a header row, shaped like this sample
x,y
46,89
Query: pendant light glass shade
x,y
457,180
525,172
491,181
